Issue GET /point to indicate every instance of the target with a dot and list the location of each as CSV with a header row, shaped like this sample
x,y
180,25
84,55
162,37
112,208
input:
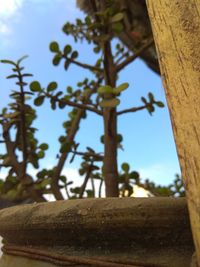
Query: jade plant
x,y
100,95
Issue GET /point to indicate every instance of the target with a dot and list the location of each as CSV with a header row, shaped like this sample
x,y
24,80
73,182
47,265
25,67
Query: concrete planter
x,y
97,232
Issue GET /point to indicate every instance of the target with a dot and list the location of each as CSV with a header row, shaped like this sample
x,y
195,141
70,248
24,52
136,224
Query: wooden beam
x,y
176,29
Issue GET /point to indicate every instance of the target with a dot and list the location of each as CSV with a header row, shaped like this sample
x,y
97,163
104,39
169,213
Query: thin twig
x,y
130,110
94,155
75,105
83,186
135,55
83,65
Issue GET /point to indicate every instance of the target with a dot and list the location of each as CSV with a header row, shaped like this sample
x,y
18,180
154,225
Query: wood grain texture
x,y
176,29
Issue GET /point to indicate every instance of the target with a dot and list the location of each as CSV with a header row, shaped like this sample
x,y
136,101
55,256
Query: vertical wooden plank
x,y
176,29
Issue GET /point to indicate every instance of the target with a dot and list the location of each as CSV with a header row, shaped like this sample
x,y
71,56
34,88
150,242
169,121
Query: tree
x,y
176,28
100,96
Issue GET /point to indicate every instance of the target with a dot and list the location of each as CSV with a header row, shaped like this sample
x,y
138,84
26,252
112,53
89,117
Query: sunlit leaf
x,y
117,17
106,89
109,103
120,88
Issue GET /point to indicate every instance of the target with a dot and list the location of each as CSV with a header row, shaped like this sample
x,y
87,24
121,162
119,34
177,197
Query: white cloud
x,y
9,9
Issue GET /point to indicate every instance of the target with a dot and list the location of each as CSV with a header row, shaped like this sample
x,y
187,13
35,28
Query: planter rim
x,y
116,229
60,222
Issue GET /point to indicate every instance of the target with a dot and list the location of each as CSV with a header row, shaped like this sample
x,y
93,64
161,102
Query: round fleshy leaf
x,y
44,146
109,103
121,88
54,47
106,89
39,100
125,167
35,86
52,86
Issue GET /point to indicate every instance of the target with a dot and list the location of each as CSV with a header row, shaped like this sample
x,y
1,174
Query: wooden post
x,y
176,29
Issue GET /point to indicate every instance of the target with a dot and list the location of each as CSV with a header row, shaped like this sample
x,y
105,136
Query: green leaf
x,y
69,89
67,63
134,175
125,167
44,146
90,193
7,62
117,27
67,49
150,109
81,171
106,89
74,54
86,92
56,60
35,86
79,22
63,179
21,59
119,138
88,20
109,103
54,47
120,88
11,115
12,76
65,147
75,190
117,17
42,173
143,99
97,49
102,139
151,97
41,154
45,182
160,104
39,100
27,75
62,103
52,86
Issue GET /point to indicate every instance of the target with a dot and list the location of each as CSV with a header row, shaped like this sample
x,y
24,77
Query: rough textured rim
x,y
126,221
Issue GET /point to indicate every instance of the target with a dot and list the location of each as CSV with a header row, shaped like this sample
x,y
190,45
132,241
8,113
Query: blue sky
x,y
27,27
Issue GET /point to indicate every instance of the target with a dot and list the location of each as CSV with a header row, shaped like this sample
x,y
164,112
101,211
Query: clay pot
x,y
114,232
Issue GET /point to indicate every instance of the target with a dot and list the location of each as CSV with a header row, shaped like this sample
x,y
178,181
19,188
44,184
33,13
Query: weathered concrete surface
x,y
111,228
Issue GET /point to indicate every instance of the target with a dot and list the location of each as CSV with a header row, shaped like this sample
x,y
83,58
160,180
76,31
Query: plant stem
x,y
23,126
110,171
